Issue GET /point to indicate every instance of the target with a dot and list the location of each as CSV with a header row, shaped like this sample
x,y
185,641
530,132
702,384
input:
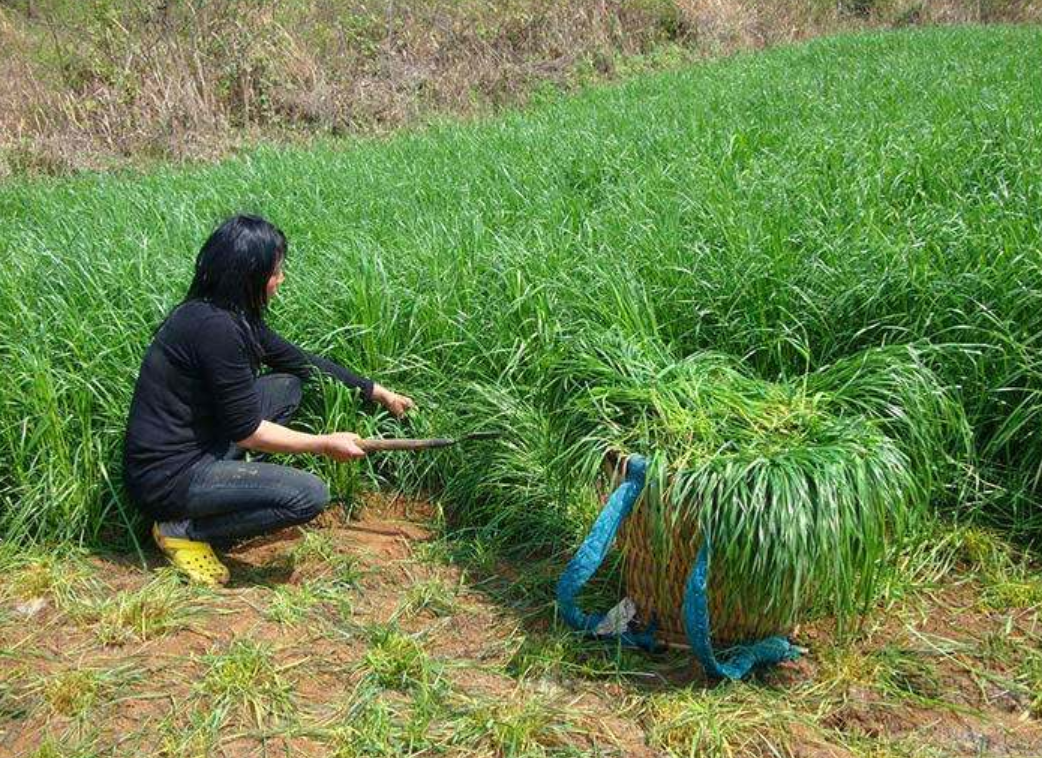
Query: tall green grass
x,y
790,210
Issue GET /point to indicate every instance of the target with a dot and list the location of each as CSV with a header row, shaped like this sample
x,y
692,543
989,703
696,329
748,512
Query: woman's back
x,y
174,421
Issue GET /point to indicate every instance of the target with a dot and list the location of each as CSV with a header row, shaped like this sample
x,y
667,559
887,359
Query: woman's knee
x,y
310,497
291,388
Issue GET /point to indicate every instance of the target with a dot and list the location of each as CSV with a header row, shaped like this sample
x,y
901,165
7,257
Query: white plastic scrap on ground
x,y
617,620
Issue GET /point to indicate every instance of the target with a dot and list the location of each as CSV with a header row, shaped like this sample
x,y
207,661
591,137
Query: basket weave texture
x,y
657,587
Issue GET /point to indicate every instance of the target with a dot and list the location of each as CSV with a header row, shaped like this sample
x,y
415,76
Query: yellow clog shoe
x,y
197,560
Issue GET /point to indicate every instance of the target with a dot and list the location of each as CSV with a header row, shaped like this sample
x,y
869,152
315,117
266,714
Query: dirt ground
x,y
368,636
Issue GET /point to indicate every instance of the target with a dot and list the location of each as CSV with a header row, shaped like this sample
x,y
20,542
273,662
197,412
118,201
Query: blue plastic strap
x,y
741,659
591,554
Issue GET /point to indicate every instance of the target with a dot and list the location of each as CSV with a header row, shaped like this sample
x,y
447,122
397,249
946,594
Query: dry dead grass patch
x,y
87,85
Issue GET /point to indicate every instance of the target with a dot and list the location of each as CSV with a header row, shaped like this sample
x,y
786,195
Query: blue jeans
x,y
231,499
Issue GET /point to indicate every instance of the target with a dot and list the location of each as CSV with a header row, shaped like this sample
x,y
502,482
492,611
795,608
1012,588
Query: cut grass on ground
x,y
497,676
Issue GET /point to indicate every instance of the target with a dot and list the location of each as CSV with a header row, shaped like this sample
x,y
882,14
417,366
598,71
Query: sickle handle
x,y
386,445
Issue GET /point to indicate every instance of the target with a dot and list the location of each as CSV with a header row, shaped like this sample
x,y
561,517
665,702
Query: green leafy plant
x,y
397,660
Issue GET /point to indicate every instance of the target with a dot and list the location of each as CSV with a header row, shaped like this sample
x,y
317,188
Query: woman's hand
x,y
341,446
398,405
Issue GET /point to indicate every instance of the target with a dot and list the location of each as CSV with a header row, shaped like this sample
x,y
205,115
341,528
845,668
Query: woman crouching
x,y
200,403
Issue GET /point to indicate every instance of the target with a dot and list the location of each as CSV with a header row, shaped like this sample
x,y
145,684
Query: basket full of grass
x,y
793,527
800,484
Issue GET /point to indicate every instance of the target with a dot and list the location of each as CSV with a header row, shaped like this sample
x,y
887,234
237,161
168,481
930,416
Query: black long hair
x,y
235,263
232,272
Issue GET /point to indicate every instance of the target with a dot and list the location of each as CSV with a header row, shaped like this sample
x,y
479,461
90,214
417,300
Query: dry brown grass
x,y
90,84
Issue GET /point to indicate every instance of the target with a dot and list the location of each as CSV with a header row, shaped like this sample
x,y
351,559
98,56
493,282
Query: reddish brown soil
x,y
321,667
149,704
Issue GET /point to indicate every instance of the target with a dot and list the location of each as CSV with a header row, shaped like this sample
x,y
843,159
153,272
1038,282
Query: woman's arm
x,y
270,437
282,355
225,368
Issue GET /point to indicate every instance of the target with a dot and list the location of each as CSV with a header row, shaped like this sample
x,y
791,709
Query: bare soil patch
x,y
919,674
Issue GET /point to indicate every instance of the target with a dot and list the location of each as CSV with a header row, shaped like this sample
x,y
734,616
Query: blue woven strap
x,y
591,554
741,659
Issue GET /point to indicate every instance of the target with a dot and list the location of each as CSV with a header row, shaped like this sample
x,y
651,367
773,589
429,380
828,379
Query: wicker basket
x,y
658,590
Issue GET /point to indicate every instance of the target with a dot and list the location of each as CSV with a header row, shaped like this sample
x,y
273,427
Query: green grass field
x,y
773,264
789,209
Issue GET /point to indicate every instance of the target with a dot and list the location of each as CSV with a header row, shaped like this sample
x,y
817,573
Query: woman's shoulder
x,y
201,311
197,318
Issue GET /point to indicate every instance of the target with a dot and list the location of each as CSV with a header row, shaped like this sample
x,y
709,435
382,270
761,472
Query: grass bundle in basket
x,y
798,482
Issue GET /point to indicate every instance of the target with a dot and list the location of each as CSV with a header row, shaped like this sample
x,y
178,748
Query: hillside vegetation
x,y
97,83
